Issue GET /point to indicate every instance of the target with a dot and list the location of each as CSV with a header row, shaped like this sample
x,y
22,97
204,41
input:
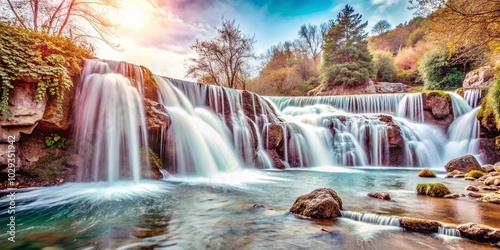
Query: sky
x,y
157,33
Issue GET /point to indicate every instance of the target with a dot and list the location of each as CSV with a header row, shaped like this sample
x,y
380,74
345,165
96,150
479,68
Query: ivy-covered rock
x,y
433,189
30,57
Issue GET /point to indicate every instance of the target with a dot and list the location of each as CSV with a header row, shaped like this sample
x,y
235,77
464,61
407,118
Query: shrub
x,y
475,174
426,173
414,37
438,72
384,65
433,189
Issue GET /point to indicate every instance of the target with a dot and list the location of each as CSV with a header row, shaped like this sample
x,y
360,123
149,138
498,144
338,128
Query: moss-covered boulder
x,y
321,203
426,173
491,198
475,174
433,189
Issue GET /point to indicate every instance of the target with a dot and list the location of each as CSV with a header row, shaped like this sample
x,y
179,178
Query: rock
x,y
491,180
496,182
438,109
24,108
380,195
370,87
420,225
257,205
321,203
459,176
452,196
469,178
489,188
479,232
274,136
454,173
489,151
472,188
494,174
426,173
275,159
465,164
491,198
433,189
478,79
487,168
474,195
496,167
392,87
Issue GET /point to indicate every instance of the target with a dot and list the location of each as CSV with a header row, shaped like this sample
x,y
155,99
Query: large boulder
x,y
321,203
478,79
392,87
465,164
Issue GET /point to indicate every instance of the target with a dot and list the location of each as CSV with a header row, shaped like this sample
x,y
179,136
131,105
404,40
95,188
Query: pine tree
x,y
346,59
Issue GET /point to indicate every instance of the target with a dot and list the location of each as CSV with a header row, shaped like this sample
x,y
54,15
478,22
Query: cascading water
x,y
215,129
372,218
473,97
110,125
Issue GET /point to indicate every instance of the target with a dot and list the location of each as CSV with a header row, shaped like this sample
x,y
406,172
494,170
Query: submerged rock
x,y
380,195
474,195
420,225
465,164
472,188
452,196
321,203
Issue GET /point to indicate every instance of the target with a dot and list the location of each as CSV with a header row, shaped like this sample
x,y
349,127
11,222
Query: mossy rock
x,y
433,189
475,174
426,173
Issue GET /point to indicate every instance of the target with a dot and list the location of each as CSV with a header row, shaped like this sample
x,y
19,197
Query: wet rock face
x,y
322,203
464,164
438,109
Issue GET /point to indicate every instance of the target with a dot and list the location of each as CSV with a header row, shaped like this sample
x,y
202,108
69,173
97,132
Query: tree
x,y
425,7
222,58
78,20
311,37
461,25
346,59
381,27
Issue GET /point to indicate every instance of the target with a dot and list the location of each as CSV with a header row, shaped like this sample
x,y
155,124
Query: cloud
x,y
383,4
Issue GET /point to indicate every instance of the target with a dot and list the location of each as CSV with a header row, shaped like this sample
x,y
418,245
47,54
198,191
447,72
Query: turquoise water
x,y
217,213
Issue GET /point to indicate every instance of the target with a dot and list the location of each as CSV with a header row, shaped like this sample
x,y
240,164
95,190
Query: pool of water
x,y
218,213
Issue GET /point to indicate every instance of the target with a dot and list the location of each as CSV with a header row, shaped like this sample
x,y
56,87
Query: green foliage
x,y
438,71
490,105
49,62
433,189
346,59
384,64
414,37
426,173
57,140
475,174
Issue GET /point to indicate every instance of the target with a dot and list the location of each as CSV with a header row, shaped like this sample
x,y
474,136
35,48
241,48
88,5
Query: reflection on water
x,y
204,214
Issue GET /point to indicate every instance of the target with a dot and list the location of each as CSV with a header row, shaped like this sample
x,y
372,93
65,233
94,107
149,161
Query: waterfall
x,y
110,125
464,135
199,141
212,129
371,218
449,231
473,97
